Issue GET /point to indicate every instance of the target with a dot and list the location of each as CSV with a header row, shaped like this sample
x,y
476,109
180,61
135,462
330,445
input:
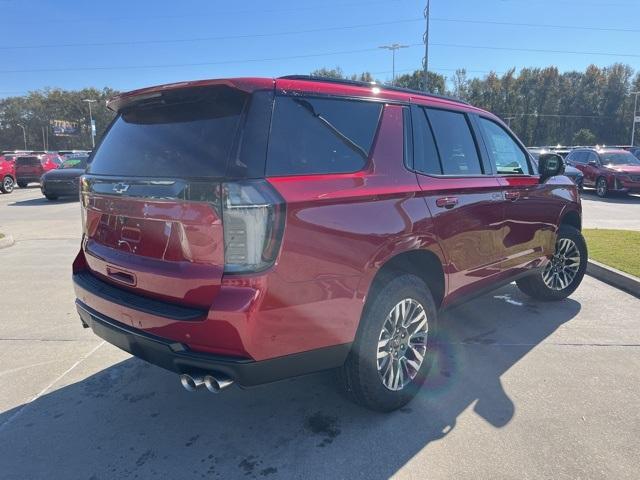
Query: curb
x,y
615,278
6,241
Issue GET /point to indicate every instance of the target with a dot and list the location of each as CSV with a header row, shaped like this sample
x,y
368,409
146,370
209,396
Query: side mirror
x,y
593,163
550,165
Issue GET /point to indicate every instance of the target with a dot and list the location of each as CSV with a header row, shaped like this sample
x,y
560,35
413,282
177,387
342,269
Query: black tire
x,y
602,190
535,286
51,197
7,184
22,184
359,375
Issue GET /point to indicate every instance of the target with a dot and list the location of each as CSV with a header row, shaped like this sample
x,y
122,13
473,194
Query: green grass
x,y
1,234
617,248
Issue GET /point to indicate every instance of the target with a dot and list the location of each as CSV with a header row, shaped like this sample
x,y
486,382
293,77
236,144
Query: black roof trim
x,y
358,83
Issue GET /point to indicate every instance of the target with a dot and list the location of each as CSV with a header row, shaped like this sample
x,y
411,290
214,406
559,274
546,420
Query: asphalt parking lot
x,y
522,390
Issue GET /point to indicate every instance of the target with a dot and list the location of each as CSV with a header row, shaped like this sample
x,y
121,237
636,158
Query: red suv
x,y
249,230
31,167
7,173
607,170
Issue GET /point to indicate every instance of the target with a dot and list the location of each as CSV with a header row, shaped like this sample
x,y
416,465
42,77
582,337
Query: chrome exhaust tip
x,y
191,382
217,384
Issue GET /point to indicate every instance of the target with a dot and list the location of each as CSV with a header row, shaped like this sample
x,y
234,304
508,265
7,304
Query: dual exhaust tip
x,y
213,383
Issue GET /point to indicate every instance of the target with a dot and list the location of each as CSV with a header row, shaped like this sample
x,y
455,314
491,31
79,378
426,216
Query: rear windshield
x,y
28,161
182,134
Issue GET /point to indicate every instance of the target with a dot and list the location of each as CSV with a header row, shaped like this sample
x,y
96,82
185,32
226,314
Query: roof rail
x,y
359,83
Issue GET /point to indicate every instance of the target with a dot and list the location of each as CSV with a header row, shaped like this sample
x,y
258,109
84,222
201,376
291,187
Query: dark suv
x,y
250,230
607,170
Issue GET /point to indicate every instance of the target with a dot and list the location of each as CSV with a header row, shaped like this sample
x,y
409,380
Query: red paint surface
x,y
340,229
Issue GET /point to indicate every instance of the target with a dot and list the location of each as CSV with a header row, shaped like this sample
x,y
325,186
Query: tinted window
x,y
577,157
505,153
591,157
184,134
314,135
426,155
457,149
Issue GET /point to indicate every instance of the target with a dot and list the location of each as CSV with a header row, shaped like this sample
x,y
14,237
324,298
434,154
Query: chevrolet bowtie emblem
x,y
120,187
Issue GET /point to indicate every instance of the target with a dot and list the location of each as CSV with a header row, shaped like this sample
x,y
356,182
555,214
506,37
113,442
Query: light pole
x,y
633,126
24,134
93,127
425,39
393,47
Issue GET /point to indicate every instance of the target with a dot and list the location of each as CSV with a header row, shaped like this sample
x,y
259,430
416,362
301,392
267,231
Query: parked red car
x,y
7,173
30,168
250,230
607,170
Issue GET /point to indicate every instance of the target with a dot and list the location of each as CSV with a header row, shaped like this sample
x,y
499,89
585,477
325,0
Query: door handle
x,y
447,202
512,195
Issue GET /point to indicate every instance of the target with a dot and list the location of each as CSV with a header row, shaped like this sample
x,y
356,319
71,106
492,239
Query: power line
x,y
311,55
205,39
313,30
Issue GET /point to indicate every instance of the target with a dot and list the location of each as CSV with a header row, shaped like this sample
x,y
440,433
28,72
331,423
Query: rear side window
x,y
321,135
24,161
506,154
426,155
455,143
185,134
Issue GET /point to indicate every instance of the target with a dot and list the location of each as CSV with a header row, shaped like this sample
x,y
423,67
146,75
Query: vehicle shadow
x,y
616,198
133,419
34,202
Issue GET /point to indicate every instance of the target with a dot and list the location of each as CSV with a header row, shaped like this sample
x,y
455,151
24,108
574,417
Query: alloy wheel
x,y
563,267
402,344
601,188
8,184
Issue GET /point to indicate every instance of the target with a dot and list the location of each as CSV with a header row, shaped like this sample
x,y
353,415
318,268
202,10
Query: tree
x,y
436,83
584,136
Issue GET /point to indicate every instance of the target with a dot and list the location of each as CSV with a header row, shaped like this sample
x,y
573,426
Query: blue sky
x,y
251,38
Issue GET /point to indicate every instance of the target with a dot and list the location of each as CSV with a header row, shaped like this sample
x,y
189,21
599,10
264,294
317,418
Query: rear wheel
x,y
602,190
564,273
22,184
7,184
394,348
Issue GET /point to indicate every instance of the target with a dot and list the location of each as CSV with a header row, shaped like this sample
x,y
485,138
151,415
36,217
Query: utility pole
x,y
93,126
393,47
425,39
24,134
635,118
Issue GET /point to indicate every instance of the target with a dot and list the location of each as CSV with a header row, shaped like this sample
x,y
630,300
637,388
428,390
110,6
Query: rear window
x,y
321,135
188,133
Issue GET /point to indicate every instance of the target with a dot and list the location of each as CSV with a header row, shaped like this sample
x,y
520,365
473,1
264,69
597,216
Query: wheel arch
x,y
424,263
572,218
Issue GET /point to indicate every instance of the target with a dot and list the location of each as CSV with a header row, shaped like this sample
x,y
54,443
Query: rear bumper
x,y
28,178
177,357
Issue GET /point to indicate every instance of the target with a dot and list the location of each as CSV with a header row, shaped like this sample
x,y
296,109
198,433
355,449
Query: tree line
x,y
542,105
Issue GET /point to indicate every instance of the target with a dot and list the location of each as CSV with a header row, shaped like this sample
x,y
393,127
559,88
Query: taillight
x,y
253,222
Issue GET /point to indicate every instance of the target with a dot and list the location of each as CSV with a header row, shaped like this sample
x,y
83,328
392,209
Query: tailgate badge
x,y
120,187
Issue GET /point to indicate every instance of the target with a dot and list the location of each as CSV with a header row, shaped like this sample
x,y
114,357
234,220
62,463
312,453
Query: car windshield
x,y
74,162
619,158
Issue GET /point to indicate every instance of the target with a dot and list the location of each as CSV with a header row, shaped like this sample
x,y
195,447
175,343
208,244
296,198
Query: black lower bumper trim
x,y
178,358
94,285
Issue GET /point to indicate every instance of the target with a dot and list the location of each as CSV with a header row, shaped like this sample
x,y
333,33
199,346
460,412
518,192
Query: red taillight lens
x,y
253,222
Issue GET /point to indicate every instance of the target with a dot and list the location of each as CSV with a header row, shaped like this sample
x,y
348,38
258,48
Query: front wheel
x,y
7,184
51,197
394,347
564,273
